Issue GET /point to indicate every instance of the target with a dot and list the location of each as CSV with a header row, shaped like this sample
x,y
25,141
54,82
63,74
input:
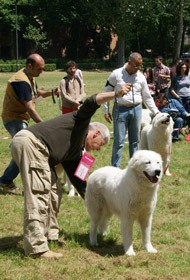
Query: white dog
x,y
158,137
131,194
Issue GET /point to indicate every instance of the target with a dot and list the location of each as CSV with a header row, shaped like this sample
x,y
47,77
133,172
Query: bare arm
x,y
174,93
46,93
32,112
164,76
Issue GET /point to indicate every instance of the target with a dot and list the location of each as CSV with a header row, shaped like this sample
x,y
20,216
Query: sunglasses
x,y
139,66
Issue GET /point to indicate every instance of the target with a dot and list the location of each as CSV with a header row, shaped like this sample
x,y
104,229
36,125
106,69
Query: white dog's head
x,y
163,120
148,166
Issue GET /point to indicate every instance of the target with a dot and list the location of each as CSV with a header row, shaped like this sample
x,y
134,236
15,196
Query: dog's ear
x,y
132,162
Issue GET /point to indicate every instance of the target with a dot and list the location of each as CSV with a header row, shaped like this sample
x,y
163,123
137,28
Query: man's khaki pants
x,y
42,192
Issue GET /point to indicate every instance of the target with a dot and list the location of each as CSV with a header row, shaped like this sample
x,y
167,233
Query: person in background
x,y
79,74
180,88
176,110
127,110
173,69
148,73
72,89
161,76
37,150
187,61
21,95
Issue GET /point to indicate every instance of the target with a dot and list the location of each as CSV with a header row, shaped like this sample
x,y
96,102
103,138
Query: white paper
x,y
38,99
82,171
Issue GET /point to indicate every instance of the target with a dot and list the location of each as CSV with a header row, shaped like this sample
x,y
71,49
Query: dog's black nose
x,y
168,116
157,172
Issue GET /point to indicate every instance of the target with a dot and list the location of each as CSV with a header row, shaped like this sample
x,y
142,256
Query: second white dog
x,y
158,137
131,194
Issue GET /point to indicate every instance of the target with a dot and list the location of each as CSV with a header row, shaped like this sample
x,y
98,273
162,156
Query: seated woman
x,y
176,110
180,88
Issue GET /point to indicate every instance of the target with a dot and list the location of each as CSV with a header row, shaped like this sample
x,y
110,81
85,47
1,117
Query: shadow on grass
x,y
107,247
12,243
13,192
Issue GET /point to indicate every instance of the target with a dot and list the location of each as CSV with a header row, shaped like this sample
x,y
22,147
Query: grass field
x,y
170,230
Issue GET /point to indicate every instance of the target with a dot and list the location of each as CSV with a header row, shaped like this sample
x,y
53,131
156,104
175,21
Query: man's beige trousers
x,y
42,192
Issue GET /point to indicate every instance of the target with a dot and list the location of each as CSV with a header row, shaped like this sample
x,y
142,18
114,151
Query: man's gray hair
x,y
135,56
102,128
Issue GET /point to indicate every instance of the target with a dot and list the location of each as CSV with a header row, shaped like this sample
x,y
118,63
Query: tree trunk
x,y
120,51
179,30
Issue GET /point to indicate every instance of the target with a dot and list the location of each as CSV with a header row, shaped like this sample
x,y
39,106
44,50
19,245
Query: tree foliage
x,y
37,37
82,29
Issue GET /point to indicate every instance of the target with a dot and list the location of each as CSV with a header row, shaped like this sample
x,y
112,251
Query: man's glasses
x,y
139,66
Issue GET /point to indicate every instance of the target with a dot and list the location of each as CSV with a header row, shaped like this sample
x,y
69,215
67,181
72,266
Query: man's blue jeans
x,y
185,101
125,118
177,124
12,170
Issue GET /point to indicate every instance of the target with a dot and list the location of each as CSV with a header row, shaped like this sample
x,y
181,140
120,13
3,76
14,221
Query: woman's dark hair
x,y
178,69
150,72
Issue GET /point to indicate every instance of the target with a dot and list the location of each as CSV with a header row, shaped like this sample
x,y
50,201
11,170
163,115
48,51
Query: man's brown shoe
x,y
48,255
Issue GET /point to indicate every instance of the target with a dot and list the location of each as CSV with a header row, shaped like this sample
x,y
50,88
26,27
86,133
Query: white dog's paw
x,y
130,252
102,232
150,249
167,173
94,243
71,193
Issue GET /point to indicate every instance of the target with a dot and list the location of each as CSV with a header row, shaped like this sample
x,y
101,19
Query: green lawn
x,y
170,230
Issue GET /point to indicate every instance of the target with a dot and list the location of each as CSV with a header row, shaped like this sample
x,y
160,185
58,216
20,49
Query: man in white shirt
x,y
127,110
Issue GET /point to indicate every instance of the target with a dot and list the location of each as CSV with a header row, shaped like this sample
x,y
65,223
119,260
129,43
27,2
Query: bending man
x,y
38,149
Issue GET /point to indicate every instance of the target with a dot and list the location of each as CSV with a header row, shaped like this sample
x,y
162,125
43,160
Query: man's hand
x,y
108,117
124,89
57,91
76,105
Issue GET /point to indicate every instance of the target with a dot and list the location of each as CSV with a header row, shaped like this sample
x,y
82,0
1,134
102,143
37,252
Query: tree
x,y
37,37
83,28
179,30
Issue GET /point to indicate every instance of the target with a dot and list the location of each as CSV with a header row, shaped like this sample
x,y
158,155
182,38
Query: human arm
x,y
109,86
147,98
46,93
174,94
164,76
32,112
82,93
173,88
24,94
